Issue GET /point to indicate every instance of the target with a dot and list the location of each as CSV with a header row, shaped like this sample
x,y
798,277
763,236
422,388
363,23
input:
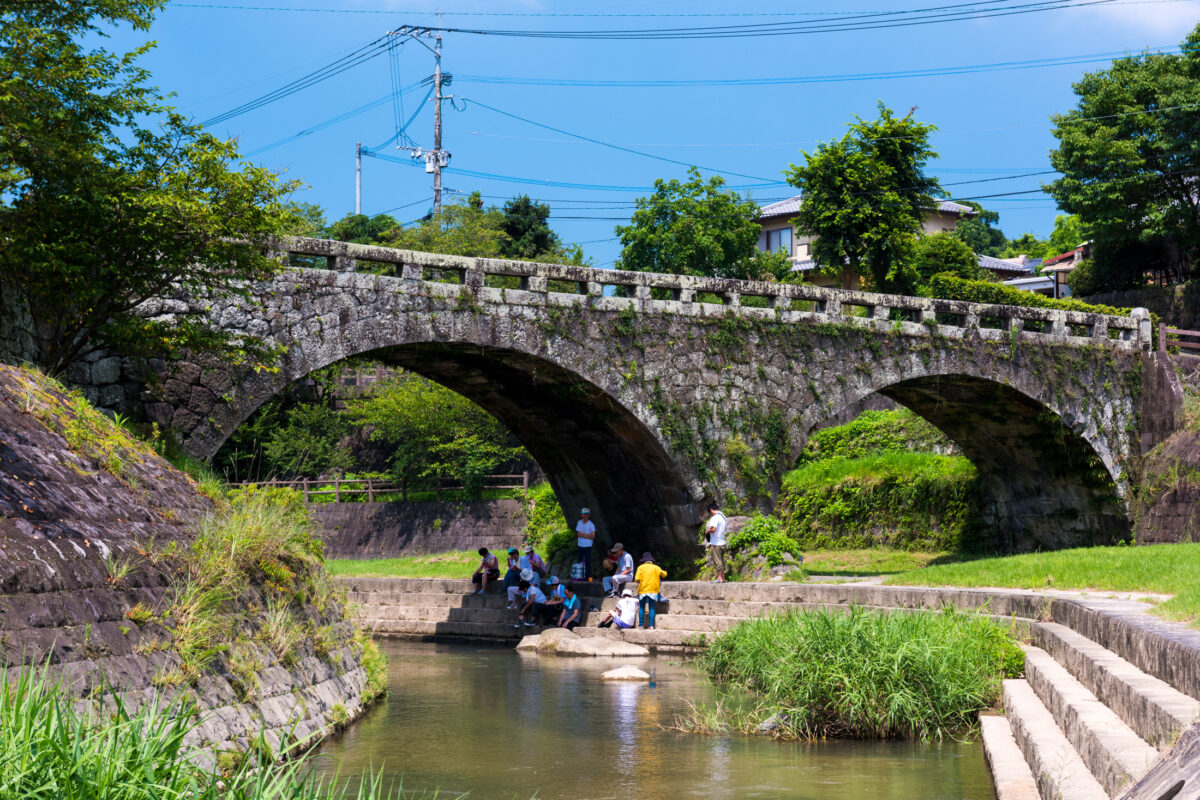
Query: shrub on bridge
x,y
874,433
909,501
948,287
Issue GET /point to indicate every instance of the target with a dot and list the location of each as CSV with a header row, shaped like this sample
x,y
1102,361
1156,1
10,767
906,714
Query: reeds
x,y
863,674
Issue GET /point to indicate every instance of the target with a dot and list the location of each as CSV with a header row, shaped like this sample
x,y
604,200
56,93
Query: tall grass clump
x,y
865,674
54,747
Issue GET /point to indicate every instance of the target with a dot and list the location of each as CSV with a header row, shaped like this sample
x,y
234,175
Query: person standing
x,y
715,552
585,537
649,579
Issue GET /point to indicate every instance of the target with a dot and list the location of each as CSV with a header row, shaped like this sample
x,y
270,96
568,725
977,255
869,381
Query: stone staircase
x,y
1107,689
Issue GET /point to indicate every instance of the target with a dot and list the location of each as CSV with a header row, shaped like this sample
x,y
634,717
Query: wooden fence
x,y
1178,337
354,488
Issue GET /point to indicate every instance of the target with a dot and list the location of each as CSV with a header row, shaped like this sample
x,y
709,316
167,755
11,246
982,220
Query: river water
x,y
505,725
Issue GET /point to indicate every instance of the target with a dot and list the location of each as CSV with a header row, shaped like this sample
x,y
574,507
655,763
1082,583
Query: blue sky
x,y
992,124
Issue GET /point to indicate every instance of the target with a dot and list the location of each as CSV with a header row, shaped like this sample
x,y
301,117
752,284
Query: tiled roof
x,y
1003,267
791,206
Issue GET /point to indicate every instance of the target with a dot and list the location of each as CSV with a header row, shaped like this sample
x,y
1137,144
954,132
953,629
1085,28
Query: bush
x,y
867,674
909,501
545,527
874,433
951,288
765,537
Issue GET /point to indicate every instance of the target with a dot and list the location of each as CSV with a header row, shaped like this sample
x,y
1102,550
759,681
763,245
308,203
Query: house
x,y
1007,269
1038,284
778,234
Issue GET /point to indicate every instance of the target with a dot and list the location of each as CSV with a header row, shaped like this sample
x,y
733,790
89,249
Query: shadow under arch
x,y
595,452
1045,486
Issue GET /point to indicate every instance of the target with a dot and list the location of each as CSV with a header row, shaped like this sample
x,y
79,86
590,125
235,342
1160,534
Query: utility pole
x,y
358,178
437,158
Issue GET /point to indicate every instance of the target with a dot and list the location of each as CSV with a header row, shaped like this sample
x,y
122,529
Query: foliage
x,y
525,224
52,746
864,199
945,253
977,230
911,501
1068,234
361,229
1028,245
434,430
1127,152
101,214
868,674
696,227
763,537
874,433
951,288
308,443
376,666
872,561
546,528
1172,569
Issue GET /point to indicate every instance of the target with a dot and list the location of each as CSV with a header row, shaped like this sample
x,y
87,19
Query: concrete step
x,y
506,616
1151,707
1010,773
1056,766
1112,752
653,639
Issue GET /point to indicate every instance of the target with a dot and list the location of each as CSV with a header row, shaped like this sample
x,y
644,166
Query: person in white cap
x,y
533,561
585,537
517,592
625,614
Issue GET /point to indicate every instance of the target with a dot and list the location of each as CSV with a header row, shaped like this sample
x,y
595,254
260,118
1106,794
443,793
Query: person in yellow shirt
x,y
648,578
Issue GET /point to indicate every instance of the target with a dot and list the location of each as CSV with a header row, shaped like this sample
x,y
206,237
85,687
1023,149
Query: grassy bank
x,y
864,674
907,501
49,747
454,564
1161,568
866,563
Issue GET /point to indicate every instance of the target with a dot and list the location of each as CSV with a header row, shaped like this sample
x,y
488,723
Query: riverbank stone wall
x,y
385,530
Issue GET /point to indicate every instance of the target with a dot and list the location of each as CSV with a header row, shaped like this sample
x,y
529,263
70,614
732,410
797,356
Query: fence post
x,y
370,490
305,484
1162,337
525,480
337,490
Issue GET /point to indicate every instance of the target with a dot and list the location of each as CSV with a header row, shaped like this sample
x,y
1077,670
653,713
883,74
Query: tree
x,y
1066,236
864,198
434,431
1129,153
1028,245
945,253
110,200
308,443
529,234
978,233
697,228
361,229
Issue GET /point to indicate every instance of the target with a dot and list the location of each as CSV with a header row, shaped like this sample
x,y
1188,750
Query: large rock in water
x,y
599,646
547,641
627,672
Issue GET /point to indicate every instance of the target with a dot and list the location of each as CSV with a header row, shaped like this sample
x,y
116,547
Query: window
x,y
780,241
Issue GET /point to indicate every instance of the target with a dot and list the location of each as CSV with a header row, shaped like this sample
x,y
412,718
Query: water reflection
x,y
506,725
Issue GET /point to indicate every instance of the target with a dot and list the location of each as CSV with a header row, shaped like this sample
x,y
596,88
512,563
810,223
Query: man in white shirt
x,y
624,573
624,615
585,537
715,544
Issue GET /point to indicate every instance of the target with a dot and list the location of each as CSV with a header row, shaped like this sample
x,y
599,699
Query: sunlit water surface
x,y
503,725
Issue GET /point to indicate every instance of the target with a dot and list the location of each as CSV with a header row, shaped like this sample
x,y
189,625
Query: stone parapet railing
x,y
491,281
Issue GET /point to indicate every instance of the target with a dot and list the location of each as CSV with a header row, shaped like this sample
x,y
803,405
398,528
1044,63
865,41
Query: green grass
x,y
51,748
871,561
864,674
454,564
876,467
1162,568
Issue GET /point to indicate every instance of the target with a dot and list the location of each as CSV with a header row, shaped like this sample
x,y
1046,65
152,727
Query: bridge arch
x,y
687,398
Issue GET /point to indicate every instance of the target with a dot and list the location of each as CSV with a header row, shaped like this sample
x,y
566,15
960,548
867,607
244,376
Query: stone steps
x,y
1152,708
1056,766
1112,752
1011,775
504,616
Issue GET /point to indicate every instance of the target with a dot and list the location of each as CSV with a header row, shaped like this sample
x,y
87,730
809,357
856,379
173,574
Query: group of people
x,y
541,598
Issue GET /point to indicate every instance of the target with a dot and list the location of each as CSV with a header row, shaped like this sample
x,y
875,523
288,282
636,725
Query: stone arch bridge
x,y
645,395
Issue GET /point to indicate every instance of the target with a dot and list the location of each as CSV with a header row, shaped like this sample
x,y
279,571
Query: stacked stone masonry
x,y
643,396
64,521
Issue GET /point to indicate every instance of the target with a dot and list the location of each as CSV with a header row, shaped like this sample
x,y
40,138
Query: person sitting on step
x,y
534,608
624,573
516,592
569,616
513,574
533,561
489,570
554,598
624,616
